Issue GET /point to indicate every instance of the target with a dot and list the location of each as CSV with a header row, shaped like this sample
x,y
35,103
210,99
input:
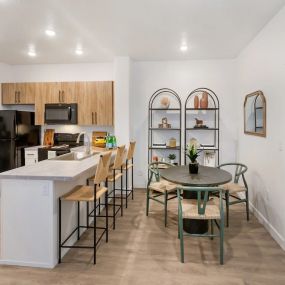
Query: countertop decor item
x,y
49,137
165,102
192,153
99,139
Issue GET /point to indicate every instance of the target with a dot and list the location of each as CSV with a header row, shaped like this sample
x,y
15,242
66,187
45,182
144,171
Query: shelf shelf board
x,y
202,129
161,147
259,108
164,109
164,129
207,148
202,109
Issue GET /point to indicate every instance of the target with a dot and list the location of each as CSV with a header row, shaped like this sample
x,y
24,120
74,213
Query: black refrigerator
x,y
17,131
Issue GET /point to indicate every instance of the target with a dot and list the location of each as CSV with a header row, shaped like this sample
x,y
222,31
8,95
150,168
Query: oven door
x,y
60,114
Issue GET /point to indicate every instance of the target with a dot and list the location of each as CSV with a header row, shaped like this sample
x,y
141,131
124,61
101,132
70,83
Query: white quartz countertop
x,y
53,169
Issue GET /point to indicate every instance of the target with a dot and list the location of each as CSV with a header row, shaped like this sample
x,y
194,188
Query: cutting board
x,y
48,137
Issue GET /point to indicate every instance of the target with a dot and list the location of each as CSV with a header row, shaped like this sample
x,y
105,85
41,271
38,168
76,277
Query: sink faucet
x,y
87,145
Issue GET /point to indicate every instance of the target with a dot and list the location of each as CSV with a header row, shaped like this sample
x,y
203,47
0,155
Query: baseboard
x,y
273,232
27,264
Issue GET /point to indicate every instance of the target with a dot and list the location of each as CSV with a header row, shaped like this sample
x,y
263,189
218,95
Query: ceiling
x,y
141,29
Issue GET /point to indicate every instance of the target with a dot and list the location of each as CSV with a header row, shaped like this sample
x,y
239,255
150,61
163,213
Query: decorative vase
x,y
193,167
204,101
196,102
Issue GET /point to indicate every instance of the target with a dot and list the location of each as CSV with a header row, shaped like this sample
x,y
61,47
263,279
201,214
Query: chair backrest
x,y
119,159
202,197
240,169
102,170
154,167
131,150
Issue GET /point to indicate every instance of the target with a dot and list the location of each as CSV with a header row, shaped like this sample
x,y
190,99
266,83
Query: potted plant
x,y
193,153
172,157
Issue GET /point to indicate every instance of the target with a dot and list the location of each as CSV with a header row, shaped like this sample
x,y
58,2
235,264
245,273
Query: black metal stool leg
x,y
122,203
87,216
114,195
78,220
94,237
59,231
107,218
126,184
132,179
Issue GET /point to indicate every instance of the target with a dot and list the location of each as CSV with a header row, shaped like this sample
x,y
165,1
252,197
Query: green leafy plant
x,y
171,156
192,151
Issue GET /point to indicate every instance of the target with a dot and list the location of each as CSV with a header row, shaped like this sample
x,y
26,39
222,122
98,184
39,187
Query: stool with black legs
x,y
126,166
85,193
115,173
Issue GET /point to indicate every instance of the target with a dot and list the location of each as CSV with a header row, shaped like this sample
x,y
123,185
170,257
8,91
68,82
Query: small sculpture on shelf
x,y
204,101
199,124
164,124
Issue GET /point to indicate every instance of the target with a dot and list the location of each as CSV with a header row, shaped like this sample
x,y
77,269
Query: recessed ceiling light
x,y
32,53
79,51
184,47
50,33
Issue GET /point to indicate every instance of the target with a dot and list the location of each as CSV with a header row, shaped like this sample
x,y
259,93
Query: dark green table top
x,y
207,176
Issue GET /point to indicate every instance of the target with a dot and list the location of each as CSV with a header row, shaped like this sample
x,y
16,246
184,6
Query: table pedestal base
x,y
195,226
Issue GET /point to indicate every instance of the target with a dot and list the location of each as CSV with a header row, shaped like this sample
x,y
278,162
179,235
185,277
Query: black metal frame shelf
x,y
216,113
151,128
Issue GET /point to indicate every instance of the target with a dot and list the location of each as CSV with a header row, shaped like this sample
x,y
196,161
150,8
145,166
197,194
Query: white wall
x,y
183,77
261,66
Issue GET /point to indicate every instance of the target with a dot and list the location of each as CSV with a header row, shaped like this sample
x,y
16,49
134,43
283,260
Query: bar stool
x,y
85,193
126,166
115,172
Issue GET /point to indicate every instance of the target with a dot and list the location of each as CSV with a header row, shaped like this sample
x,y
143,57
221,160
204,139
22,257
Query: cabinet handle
x,y
62,96
96,118
19,101
59,96
15,96
92,118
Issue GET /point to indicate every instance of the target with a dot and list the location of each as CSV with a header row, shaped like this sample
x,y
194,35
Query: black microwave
x,y
63,114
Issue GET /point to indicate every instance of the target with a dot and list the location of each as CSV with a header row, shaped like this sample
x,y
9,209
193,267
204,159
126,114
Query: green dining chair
x,y
157,187
232,189
201,209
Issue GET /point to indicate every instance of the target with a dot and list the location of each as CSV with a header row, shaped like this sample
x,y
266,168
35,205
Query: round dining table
x,y
206,177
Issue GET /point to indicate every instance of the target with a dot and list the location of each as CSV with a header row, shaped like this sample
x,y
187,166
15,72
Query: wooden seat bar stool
x,y
115,173
85,193
129,165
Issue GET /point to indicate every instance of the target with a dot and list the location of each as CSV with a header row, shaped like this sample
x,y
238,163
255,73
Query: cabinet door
x,y
9,95
26,93
104,103
40,99
20,93
53,92
85,93
68,94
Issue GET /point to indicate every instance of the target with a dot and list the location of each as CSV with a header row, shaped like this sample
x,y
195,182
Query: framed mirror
x,y
255,114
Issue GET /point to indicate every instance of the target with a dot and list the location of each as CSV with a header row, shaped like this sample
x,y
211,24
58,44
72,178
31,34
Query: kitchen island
x,y
29,208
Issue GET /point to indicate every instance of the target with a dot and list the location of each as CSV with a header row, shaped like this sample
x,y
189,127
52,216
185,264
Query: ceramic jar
x,y
204,101
196,102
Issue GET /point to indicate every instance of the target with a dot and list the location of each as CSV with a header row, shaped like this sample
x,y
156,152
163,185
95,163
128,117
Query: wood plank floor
x,y
142,251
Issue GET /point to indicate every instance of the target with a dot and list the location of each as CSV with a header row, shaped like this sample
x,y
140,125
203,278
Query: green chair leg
x,y
227,194
212,229
147,201
222,242
180,227
165,208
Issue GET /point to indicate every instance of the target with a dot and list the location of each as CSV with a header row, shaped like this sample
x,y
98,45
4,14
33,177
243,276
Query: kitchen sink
x,y
75,156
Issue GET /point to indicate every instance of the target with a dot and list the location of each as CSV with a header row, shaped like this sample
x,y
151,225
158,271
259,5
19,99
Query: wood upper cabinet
x,y
18,93
95,103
